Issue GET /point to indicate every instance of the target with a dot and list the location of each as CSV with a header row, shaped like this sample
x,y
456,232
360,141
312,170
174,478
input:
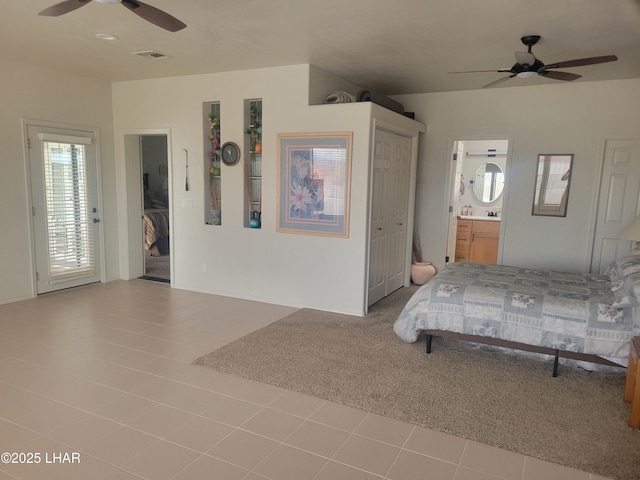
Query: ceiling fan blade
x,y
154,15
566,76
496,82
63,7
580,62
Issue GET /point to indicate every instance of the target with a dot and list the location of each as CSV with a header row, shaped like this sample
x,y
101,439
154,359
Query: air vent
x,y
150,54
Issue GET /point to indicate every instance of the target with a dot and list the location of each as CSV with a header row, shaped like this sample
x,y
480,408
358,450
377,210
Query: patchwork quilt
x,y
560,310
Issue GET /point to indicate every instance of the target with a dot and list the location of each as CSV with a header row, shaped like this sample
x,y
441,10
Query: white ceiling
x,y
393,47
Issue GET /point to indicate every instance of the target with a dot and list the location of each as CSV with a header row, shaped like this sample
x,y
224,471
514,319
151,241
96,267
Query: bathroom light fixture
x,y
489,153
632,232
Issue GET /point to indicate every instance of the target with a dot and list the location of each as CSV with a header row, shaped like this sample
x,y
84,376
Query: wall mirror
x,y
488,182
552,184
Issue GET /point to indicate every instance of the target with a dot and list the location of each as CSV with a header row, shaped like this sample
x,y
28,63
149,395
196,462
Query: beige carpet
x,y
157,267
510,401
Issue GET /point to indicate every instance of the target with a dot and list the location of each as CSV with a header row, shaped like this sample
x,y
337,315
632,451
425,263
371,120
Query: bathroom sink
x,y
479,217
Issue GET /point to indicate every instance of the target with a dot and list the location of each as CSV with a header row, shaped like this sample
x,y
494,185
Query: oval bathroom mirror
x,y
488,182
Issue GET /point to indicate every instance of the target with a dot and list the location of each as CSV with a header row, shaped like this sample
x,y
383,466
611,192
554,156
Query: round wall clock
x,y
230,153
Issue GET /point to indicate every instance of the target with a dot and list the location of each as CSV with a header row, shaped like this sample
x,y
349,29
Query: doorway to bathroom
x,y
477,193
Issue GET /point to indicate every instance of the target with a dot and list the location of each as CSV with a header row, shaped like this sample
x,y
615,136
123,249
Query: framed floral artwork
x,y
314,179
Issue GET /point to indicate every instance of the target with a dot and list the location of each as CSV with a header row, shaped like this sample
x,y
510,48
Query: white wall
x,y
261,264
325,272
35,93
553,118
322,83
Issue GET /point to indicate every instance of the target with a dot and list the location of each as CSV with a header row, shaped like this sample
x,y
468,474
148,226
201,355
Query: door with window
x,y
64,190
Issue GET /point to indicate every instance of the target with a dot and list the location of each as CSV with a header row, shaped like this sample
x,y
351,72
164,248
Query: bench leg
x,y
429,339
555,365
632,387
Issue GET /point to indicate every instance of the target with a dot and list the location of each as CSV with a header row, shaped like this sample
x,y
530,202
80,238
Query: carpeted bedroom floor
x,y
501,399
157,267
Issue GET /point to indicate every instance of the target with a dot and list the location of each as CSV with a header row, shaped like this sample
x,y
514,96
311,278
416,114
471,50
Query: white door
x,y
389,214
399,202
457,189
379,236
64,175
618,201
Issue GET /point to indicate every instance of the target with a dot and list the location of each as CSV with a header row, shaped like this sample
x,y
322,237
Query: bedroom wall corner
x,y
322,83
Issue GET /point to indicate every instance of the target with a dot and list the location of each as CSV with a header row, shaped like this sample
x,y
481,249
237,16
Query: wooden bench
x,y
632,385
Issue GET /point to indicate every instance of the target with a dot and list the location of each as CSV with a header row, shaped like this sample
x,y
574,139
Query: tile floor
x,y
102,374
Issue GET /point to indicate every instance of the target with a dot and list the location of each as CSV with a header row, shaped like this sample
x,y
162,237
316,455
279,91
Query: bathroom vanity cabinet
x,y
477,241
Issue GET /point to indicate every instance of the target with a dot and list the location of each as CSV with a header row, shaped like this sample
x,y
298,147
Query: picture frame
x,y
553,179
314,183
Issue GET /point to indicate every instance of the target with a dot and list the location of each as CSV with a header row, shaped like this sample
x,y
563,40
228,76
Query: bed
x,y
156,229
581,316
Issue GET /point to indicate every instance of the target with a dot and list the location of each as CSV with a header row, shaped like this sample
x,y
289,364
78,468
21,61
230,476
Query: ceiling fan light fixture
x,y
527,65
107,36
109,1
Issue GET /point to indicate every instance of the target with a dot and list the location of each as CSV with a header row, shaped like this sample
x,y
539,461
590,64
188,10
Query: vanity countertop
x,y
479,217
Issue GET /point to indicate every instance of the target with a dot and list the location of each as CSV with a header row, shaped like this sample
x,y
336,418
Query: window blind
x,y
70,232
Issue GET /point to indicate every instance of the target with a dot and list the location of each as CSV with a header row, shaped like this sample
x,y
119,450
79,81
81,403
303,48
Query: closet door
x,y
389,210
619,201
398,207
379,235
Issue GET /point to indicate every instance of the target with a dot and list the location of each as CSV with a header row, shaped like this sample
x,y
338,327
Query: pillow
x,y
626,290
624,266
625,281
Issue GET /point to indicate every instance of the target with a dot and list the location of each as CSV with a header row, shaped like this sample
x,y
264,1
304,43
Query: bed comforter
x,y
156,225
564,311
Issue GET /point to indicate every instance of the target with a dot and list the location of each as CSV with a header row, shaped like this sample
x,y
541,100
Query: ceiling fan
x,y
527,65
149,13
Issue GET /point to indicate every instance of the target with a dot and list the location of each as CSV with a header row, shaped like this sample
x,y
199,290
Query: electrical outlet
x,y
204,267
187,202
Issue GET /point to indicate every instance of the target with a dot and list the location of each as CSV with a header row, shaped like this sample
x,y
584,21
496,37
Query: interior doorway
x,y
155,197
147,152
477,199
